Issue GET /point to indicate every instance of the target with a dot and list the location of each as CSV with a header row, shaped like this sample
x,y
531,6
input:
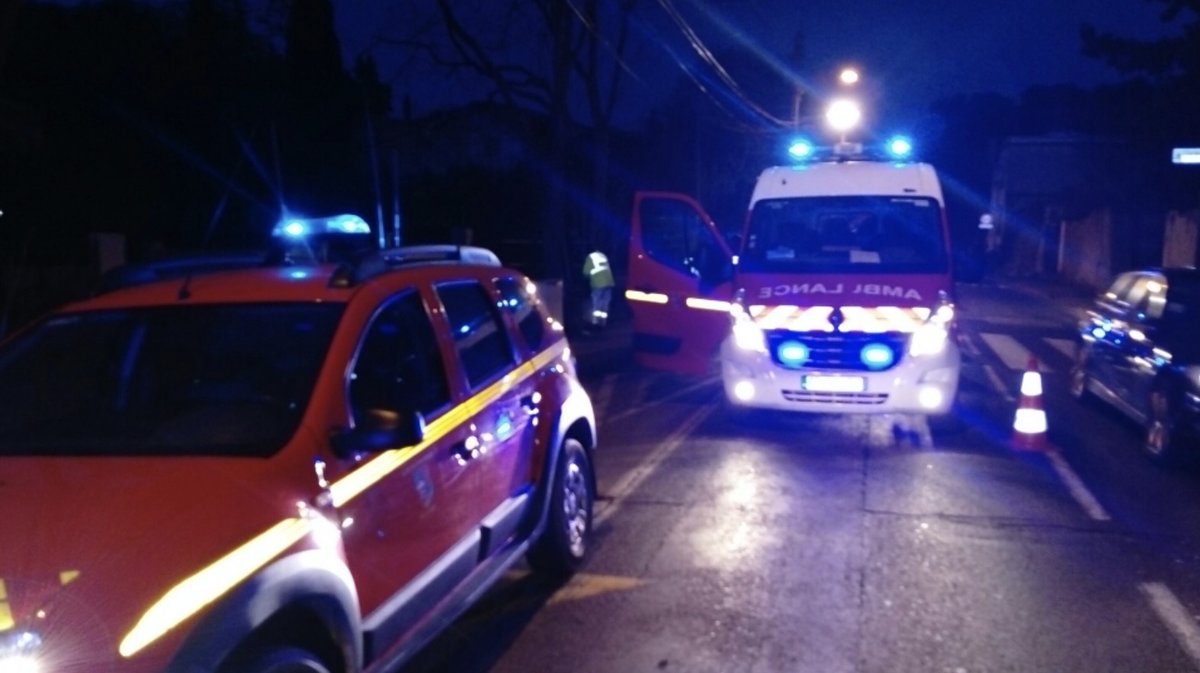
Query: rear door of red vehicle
x,y
680,283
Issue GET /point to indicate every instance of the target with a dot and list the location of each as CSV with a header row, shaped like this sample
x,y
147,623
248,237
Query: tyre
x,y
283,660
566,539
1162,437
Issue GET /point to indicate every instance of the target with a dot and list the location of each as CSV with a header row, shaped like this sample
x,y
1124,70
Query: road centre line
x,y
634,478
1175,616
1077,488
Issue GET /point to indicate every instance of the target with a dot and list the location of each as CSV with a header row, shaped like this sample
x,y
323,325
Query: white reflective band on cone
x,y
1030,421
1031,384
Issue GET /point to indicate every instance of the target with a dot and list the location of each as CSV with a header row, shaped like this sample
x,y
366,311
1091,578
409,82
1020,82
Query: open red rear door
x,y
680,284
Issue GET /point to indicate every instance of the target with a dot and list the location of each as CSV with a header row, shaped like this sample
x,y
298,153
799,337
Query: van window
x,y
845,234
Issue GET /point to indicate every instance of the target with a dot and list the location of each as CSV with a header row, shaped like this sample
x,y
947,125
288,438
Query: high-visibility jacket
x,y
597,270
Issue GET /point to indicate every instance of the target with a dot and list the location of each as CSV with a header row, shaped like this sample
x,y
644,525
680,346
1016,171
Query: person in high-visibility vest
x,y
600,279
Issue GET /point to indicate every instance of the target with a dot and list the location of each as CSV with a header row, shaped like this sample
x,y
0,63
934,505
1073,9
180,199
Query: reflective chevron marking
x,y
1011,352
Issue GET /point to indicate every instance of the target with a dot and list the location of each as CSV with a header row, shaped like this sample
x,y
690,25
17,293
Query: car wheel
x,y
566,538
284,660
1162,435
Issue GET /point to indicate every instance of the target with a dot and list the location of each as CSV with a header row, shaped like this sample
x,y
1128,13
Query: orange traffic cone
x,y
1029,425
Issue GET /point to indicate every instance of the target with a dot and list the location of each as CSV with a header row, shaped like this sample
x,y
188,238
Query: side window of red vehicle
x,y
522,304
479,335
674,234
399,366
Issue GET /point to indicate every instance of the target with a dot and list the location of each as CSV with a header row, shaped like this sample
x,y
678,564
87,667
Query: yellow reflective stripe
x,y
902,320
648,297
871,320
189,596
347,488
707,304
194,593
6,618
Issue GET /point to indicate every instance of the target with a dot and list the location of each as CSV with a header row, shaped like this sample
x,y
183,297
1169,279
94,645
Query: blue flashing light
x,y
899,147
295,228
800,149
1099,332
792,353
877,356
298,227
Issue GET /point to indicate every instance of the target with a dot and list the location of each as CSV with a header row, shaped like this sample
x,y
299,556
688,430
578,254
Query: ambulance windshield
x,y
845,234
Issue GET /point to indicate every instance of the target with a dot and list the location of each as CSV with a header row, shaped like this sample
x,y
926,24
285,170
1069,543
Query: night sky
x,y
914,52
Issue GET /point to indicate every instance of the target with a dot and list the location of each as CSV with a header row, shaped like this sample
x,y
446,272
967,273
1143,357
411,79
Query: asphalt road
x,y
827,544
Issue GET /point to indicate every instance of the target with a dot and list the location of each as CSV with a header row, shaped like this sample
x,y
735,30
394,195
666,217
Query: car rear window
x,y
179,380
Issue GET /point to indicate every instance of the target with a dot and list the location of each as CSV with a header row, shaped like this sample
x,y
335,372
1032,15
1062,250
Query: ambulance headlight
x,y
929,339
749,336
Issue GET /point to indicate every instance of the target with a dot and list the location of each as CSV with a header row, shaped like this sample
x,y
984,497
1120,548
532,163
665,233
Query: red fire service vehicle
x,y
838,300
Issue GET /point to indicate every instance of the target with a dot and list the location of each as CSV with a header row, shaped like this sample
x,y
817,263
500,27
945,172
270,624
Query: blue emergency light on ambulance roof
x,y
298,227
800,149
899,147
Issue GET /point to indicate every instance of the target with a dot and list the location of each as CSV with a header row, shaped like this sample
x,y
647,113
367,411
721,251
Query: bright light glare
x,y
848,76
294,228
749,336
930,397
19,663
843,114
929,339
743,390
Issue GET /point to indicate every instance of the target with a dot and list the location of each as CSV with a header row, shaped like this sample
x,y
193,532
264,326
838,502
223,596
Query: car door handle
x,y
530,403
466,450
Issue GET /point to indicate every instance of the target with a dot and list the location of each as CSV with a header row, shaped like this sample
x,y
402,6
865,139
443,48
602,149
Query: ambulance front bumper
x,y
926,384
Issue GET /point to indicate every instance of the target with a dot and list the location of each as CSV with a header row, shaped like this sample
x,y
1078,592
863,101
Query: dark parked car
x,y
1139,353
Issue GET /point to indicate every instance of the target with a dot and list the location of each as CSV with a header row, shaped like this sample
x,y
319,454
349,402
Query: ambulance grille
x,y
836,351
843,399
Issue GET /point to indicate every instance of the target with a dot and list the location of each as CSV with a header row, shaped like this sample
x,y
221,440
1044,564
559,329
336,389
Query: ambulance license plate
x,y
834,384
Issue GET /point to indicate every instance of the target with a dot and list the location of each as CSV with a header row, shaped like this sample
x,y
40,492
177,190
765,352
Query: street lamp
x,y
848,76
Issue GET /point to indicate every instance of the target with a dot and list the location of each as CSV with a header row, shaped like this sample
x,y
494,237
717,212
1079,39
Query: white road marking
x,y
634,478
1011,352
1064,346
1175,616
998,383
969,346
1076,487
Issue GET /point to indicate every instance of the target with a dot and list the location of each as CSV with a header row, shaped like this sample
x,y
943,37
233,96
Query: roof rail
x,y
129,275
412,255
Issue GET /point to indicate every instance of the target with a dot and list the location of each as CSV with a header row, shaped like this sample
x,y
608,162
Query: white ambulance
x,y
838,300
